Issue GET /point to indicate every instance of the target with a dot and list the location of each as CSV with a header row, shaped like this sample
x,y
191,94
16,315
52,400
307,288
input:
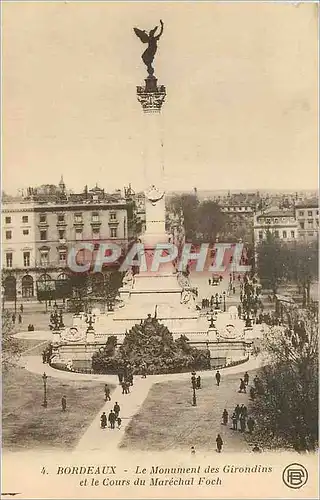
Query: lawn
x,y
27,425
32,347
168,420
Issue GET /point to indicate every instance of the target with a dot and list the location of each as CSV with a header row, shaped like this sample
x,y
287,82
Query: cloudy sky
x,y
241,78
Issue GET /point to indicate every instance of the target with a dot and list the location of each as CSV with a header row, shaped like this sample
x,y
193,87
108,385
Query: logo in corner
x,y
295,476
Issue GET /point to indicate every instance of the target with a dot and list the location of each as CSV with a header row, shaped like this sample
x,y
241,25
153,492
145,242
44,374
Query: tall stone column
x,y
152,96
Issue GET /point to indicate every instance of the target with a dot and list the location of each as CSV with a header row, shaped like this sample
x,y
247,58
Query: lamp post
x,y
45,402
224,301
194,382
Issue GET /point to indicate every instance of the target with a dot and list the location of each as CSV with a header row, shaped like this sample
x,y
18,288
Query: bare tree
x,y
286,410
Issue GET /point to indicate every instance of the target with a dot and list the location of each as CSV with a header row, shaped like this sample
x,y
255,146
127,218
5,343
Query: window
x,y
60,217
8,235
8,220
25,232
62,234
43,235
62,256
44,257
95,216
78,234
113,215
276,234
310,223
268,221
292,234
9,259
113,232
95,234
302,225
43,218
301,213
25,219
78,217
260,235
284,234
309,213
275,220
26,259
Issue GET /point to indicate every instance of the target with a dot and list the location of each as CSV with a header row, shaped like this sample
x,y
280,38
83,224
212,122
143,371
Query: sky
x,y
241,106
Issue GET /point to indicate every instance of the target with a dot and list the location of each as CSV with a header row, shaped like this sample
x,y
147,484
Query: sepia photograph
x,y
159,249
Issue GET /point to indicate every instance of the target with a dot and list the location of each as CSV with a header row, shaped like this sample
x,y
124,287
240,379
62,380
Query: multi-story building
x,y
39,232
281,223
307,215
18,247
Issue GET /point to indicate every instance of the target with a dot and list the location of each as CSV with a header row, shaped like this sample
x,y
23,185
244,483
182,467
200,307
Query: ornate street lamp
x,y
45,402
194,383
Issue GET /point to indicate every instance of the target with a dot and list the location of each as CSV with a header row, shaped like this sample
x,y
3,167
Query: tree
x,y
286,411
272,262
304,266
11,350
210,221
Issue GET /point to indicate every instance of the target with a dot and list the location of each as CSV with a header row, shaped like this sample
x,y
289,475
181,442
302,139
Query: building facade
x,y
280,223
39,232
307,215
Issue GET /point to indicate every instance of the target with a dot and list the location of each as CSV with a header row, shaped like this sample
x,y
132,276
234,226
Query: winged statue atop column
x,y
152,40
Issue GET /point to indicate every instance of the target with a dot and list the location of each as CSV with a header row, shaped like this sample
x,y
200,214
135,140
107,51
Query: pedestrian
x,y
119,422
198,386
13,318
127,387
64,403
218,378
250,424
234,419
107,393
242,423
103,420
124,388
246,378
224,417
20,319
256,382
243,411
252,393
116,409
44,357
193,380
242,387
112,419
219,443
237,411
143,371
21,308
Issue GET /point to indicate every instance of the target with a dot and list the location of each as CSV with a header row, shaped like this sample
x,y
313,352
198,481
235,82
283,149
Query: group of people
x,y
113,418
240,419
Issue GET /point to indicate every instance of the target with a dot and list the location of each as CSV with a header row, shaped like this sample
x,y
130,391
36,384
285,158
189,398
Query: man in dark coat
x,y
107,393
112,419
246,378
234,419
116,409
242,387
250,424
64,403
219,443
103,420
218,377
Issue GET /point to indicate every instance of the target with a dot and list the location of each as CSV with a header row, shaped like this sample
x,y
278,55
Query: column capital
x,y
151,96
